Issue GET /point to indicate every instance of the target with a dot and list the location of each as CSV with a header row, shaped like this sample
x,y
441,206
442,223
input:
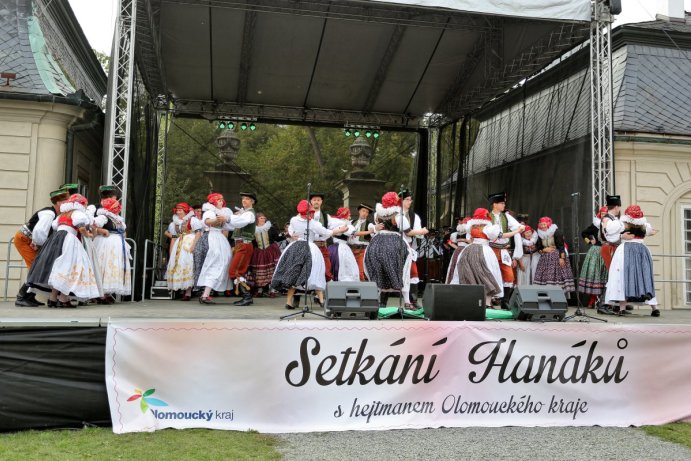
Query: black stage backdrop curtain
x,y
52,377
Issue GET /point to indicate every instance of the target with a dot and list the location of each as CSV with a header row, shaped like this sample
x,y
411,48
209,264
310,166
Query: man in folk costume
x,y
502,245
320,216
71,188
364,229
412,230
244,224
610,229
33,235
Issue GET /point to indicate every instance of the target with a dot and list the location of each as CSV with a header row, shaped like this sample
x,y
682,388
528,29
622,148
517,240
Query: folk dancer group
x,y
75,251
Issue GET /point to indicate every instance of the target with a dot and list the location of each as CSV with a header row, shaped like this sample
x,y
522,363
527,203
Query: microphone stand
x,y
579,313
306,309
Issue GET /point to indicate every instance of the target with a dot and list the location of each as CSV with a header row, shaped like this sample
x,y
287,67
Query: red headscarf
x,y
184,206
545,220
214,197
602,212
111,204
390,199
78,198
634,212
481,213
303,208
527,229
343,213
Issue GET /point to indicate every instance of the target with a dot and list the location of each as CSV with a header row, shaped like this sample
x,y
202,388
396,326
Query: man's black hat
x,y
250,195
497,197
613,200
317,194
367,207
108,190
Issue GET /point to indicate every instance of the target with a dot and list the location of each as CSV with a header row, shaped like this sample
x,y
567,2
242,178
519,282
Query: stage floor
x,y
262,309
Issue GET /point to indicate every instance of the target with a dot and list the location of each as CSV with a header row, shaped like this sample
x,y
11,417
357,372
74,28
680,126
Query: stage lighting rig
x,y
356,130
244,123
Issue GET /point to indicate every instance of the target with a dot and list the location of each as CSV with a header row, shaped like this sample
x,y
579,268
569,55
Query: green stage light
x,y
230,125
368,133
346,132
375,134
253,127
221,125
243,126
356,133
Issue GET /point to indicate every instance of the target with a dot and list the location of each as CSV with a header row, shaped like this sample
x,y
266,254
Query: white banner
x,y
578,10
304,376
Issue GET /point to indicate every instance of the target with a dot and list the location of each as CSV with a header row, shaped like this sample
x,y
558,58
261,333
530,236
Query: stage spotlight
x,y
221,125
253,127
368,133
347,132
230,125
356,133
375,134
243,126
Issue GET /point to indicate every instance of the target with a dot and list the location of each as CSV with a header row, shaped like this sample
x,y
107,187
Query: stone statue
x,y
229,147
360,154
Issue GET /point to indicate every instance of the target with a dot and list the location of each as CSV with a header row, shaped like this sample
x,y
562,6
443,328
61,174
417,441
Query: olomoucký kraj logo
x,y
146,399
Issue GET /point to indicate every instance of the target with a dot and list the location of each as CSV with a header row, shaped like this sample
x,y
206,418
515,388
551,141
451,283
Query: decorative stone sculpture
x,y
360,154
228,146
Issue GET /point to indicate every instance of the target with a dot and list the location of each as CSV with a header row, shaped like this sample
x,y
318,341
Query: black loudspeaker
x,y
615,6
352,300
454,302
538,303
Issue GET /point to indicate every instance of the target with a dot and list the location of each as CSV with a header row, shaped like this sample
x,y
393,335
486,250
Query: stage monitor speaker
x,y
454,302
538,303
352,300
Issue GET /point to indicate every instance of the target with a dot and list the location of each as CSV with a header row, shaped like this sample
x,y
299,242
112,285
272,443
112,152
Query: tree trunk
x,y
315,148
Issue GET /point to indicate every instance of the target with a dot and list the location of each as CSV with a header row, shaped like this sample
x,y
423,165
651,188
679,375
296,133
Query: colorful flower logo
x,y
146,399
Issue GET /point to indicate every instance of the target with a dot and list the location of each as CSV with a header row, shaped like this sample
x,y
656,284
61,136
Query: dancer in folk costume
x,y
593,278
301,264
343,263
478,264
412,232
554,267
62,266
631,271
180,271
212,252
460,239
527,265
265,255
358,241
112,250
388,258
320,216
243,224
502,245
32,236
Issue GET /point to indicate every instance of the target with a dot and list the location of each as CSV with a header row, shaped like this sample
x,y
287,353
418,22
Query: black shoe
x,y
604,310
32,298
207,300
52,303
245,301
26,302
289,306
628,307
65,304
655,313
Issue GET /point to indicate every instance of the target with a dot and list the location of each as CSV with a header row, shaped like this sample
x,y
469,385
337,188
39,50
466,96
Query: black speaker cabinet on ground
x,y
538,303
454,302
352,300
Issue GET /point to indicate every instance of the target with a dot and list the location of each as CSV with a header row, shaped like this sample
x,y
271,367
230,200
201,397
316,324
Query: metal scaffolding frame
x,y
601,103
120,86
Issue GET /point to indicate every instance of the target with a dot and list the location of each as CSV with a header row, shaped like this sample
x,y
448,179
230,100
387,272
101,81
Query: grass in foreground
x,y
169,445
675,432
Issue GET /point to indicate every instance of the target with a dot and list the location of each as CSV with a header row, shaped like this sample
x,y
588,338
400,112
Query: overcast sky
x,y
97,17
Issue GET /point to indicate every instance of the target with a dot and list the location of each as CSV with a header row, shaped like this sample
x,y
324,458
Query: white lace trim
x,y
263,228
531,241
117,218
548,233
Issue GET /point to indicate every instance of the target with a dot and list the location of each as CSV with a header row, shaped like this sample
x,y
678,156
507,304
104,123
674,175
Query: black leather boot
x,y
507,297
24,299
246,294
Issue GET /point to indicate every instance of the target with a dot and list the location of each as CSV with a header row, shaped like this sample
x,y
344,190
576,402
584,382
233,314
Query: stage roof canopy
x,y
380,63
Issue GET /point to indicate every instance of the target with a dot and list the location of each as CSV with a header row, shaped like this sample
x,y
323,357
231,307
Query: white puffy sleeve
x,y
100,220
492,231
79,218
317,228
42,228
196,224
454,237
613,229
210,214
171,229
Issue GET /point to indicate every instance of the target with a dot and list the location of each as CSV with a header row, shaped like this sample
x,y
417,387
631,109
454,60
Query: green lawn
x,y
675,432
169,445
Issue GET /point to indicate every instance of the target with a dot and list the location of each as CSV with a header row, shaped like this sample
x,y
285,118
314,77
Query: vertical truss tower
x,y
121,81
601,103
